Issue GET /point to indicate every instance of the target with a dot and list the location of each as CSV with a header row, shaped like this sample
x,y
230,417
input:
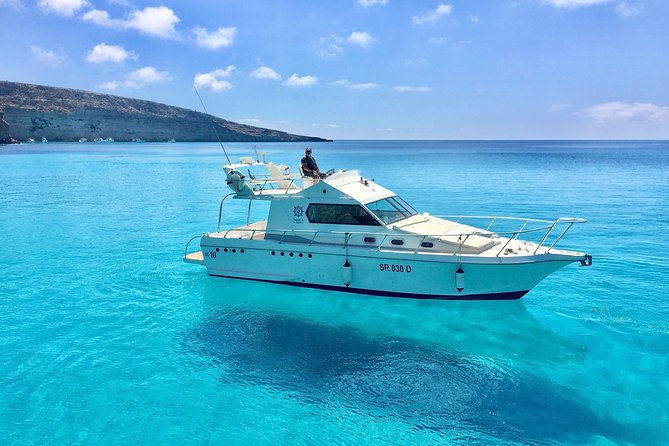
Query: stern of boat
x,y
196,257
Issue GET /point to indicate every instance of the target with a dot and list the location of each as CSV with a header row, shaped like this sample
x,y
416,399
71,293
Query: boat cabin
x,y
345,209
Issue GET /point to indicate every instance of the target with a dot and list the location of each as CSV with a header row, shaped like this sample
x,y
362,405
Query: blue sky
x,y
364,69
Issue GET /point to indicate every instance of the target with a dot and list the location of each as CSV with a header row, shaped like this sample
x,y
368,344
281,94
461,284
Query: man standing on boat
x,y
310,166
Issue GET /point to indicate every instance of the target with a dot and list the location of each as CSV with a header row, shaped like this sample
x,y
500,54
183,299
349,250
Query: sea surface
x,y
107,337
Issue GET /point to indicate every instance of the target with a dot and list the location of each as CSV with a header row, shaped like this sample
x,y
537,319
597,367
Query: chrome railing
x,y
220,211
544,231
261,185
551,225
189,242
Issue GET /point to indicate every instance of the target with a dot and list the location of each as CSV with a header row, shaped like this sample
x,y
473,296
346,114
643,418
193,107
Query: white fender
x,y
347,273
460,279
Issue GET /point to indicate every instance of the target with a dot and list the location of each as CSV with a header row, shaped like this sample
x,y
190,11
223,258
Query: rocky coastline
x,y
62,114
5,137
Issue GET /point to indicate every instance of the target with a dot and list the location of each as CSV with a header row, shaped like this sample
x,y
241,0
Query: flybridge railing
x,y
309,236
261,182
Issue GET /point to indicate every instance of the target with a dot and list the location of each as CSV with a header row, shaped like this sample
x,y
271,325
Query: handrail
x,y
186,248
220,211
571,222
497,217
462,237
262,183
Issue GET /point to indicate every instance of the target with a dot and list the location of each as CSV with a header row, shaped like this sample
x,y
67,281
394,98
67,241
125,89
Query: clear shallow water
x,y
107,337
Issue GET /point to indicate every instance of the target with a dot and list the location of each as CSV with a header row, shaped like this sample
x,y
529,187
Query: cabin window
x,y
340,214
391,210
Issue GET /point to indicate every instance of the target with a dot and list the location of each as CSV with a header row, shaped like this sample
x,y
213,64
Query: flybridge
x,y
251,179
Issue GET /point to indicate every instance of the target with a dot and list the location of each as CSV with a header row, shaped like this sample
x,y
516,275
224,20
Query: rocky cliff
x,y
63,114
5,138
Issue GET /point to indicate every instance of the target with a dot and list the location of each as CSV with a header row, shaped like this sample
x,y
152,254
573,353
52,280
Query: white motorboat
x,y
348,233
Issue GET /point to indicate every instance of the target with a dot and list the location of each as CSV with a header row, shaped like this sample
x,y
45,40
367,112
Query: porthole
x,y
234,250
283,253
225,250
370,239
397,242
310,256
242,251
218,249
427,245
301,255
273,253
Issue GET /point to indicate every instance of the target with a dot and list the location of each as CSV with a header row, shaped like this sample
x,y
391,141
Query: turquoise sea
x,y
107,337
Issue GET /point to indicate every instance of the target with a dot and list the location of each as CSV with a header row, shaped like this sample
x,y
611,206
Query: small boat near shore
x,y
347,233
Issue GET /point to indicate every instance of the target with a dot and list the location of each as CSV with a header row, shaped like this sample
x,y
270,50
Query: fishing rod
x,y
212,124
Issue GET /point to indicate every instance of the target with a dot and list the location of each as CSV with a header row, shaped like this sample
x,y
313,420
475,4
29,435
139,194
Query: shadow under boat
x,y
498,329
391,377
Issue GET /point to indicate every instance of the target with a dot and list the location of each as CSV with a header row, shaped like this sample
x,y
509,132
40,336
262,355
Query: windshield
x,y
391,210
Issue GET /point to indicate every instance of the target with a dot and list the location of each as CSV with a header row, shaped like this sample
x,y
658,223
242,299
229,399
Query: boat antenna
x,y
256,150
212,124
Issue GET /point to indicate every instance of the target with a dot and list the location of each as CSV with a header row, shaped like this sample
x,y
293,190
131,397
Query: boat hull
x,y
378,272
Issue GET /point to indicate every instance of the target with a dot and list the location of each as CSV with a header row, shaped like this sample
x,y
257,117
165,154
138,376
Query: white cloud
x,y
351,86
212,81
368,3
300,81
62,7
265,73
216,39
49,57
362,39
102,53
100,18
330,47
406,89
363,86
627,9
111,85
138,79
434,15
146,75
627,111
573,4
473,18
331,51
154,21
